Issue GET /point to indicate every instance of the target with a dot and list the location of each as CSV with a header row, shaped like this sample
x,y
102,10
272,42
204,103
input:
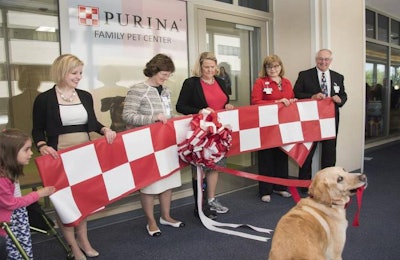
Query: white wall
x,y
301,28
348,42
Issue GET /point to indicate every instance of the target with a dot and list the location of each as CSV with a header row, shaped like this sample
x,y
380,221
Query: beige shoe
x,y
266,198
283,193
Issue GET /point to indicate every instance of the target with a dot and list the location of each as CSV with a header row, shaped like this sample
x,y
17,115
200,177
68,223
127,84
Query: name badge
x,y
336,88
267,89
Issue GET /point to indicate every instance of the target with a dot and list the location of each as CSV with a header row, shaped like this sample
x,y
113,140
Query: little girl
x,y
15,152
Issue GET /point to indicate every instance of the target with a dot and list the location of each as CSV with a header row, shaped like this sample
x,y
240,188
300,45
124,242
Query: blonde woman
x,y
63,116
204,90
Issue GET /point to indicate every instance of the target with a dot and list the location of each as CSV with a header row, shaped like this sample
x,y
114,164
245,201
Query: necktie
x,y
324,87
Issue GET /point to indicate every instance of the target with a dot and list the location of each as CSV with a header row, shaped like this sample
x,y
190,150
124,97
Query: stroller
x,y
41,223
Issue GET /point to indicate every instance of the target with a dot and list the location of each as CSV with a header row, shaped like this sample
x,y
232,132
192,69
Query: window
x,y
376,90
262,5
395,92
394,34
225,1
370,24
383,28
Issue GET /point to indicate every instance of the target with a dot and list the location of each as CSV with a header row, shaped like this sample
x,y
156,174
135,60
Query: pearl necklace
x,y
69,99
208,82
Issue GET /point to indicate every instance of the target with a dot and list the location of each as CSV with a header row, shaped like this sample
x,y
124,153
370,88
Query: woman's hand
x,y
207,108
286,101
45,150
161,117
109,134
229,106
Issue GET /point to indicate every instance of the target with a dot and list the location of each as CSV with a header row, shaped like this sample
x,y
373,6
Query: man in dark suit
x,y
318,83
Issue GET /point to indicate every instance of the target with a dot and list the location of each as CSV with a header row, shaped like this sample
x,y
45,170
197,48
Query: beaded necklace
x,y
66,99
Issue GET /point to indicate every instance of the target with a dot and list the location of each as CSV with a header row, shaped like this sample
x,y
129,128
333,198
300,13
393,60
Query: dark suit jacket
x,y
47,125
307,84
191,98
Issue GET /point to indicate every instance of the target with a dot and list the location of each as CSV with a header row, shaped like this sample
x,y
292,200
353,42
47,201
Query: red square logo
x,y
88,15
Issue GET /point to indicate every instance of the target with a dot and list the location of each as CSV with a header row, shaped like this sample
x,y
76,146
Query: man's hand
x,y
337,99
318,96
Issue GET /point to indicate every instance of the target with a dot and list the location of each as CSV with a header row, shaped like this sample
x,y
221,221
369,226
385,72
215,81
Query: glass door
x,y
240,45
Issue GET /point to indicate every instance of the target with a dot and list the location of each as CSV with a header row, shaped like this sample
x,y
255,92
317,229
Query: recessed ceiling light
x,y
45,29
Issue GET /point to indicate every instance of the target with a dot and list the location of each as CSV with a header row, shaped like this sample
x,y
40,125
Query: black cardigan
x,y
191,99
47,125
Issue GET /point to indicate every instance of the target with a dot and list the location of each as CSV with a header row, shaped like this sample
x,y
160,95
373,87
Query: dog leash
x,y
359,194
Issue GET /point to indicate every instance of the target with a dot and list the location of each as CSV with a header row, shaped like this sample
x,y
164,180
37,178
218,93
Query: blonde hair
x,y
269,61
63,65
204,56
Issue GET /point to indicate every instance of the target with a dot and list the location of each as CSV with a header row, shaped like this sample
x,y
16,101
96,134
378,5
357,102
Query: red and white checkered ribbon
x,y
92,175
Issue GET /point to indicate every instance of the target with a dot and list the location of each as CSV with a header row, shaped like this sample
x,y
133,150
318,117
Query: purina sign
x,y
88,15
91,16
123,33
116,38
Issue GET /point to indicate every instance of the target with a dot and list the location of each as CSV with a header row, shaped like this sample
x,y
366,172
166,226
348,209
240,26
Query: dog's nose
x,y
363,178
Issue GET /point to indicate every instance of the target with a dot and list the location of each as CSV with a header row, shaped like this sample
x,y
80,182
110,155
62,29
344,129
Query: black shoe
x,y
211,214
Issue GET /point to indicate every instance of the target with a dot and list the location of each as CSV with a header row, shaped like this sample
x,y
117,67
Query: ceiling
x,y
391,7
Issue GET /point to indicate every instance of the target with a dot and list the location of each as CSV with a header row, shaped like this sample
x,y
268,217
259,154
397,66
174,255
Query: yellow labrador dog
x,y
316,227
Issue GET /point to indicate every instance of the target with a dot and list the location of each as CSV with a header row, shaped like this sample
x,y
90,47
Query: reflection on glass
x,y
370,24
395,92
109,98
395,31
227,50
262,5
3,81
383,28
33,44
20,105
376,102
226,1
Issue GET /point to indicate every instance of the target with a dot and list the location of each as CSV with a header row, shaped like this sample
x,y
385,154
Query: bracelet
x,y
40,146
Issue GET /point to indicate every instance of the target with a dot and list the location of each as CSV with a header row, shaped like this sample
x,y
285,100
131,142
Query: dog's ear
x,y
106,104
320,191
119,99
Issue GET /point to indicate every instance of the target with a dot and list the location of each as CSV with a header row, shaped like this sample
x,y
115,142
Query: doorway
x,y
240,45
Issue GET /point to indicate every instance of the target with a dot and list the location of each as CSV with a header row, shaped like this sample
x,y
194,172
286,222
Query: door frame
x,y
235,14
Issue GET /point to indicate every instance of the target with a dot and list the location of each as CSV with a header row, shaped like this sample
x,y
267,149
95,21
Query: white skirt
x,y
162,185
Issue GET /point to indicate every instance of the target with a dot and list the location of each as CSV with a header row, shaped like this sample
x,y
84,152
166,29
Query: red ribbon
x,y
359,194
292,185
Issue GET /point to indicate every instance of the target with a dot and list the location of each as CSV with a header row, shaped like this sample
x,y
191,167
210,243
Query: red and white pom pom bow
x,y
207,142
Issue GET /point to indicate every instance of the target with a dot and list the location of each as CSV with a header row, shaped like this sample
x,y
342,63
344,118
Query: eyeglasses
x,y
323,59
272,67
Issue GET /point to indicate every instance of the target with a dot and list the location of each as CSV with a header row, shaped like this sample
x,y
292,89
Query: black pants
x,y
3,250
328,158
273,163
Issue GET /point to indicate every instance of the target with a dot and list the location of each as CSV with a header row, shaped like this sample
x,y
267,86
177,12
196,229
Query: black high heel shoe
x,y
172,224
155,233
